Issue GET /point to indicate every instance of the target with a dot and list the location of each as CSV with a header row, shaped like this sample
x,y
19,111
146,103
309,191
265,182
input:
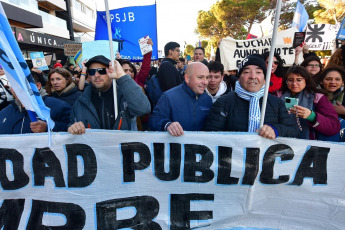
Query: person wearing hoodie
x,y
216,86
15,119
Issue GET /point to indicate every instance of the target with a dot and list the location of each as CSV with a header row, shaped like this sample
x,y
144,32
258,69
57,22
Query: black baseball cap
x,y
98,59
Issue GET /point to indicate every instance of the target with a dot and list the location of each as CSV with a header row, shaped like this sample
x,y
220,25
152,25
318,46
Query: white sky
x,y
176,19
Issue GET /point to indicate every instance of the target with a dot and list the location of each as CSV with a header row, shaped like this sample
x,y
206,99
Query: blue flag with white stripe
x,y
19,75
128,25
300,17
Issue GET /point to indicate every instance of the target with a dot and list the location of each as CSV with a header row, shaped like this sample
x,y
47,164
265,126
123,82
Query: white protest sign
x,y
99,47
232,51
151,180
321,36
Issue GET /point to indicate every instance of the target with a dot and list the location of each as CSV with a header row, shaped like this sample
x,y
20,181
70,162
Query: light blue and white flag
x,y
19,75
341,32
300,17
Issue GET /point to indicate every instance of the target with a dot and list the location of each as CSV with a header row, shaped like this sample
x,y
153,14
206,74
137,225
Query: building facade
x,y
45,25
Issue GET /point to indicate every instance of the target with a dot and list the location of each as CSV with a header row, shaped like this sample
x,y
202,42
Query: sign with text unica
x,y
233,51
151,180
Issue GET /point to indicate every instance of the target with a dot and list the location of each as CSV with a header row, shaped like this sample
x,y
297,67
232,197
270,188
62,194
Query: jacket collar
x,y
170,60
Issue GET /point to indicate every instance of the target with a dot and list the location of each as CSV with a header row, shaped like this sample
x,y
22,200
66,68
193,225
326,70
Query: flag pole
x,y
270,61
110,36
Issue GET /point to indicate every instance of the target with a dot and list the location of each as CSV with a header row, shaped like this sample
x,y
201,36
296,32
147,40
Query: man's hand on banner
x,y
267,132
77,128
175,129
38,126
117,72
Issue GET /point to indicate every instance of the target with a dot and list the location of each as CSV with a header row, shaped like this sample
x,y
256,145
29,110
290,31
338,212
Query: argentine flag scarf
x,y
254,105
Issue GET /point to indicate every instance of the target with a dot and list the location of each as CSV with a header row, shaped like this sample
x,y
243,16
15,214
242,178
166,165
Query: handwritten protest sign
x,y
233,51
71,49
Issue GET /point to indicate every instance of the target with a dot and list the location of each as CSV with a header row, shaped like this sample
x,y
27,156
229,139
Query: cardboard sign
x,y
71,49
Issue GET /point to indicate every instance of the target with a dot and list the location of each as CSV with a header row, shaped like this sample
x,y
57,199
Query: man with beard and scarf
x,y
240,110
14,119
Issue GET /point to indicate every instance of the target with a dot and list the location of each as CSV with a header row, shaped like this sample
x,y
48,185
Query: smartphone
x,y
290,102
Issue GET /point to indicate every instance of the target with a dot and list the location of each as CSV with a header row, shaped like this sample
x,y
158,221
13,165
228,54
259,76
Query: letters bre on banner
x,y
117,179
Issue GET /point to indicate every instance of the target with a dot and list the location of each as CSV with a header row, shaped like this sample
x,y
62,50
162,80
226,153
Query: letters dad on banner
x,y
233,51
114,180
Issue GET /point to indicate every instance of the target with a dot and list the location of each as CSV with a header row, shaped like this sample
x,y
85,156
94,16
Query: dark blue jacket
x,y
183,105
69,97
230,113
13,121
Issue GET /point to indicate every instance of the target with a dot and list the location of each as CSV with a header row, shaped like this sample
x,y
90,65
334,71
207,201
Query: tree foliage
x,y
189,50
235,18
332,11
230,17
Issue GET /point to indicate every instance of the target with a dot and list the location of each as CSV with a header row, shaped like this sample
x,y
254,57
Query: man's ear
x,y
186,78
38,85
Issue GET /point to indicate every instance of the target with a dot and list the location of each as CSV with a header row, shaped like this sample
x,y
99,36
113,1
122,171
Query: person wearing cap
x,y
240,110
95,107
184,107
216,86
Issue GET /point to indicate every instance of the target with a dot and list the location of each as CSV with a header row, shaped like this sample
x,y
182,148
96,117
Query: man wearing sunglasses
x,y
95,107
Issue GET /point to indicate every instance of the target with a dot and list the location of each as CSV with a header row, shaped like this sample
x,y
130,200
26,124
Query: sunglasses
x,y
92,72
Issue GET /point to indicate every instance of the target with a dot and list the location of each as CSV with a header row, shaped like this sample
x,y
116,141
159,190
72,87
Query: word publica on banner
x,y
313,164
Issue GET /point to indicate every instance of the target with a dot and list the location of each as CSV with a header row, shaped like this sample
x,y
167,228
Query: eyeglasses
x,y
177,50
314,65
274,62
92,72
298,81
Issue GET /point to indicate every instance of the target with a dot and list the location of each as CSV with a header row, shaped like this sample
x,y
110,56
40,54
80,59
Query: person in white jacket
x,y
216,86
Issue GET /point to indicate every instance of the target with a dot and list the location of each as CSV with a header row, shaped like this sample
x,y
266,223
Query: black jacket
x,y
230,113
168,76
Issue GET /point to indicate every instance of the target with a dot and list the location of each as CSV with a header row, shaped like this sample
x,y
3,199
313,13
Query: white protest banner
x,y
151,180
321,36
232,51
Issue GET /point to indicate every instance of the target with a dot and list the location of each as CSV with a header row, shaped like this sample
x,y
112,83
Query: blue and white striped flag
x,y
19,75
300,17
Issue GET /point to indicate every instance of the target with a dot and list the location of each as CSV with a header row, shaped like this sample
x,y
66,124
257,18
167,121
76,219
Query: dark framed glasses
x,y
92,72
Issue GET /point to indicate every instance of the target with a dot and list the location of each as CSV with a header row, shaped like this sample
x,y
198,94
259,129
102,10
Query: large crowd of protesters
x,y
199,95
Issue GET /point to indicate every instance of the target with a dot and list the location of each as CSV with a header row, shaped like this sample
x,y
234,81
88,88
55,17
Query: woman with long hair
x,y
61,85
314,113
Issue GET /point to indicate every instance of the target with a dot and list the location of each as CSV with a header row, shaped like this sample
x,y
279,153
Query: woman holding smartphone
x,y
314,113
